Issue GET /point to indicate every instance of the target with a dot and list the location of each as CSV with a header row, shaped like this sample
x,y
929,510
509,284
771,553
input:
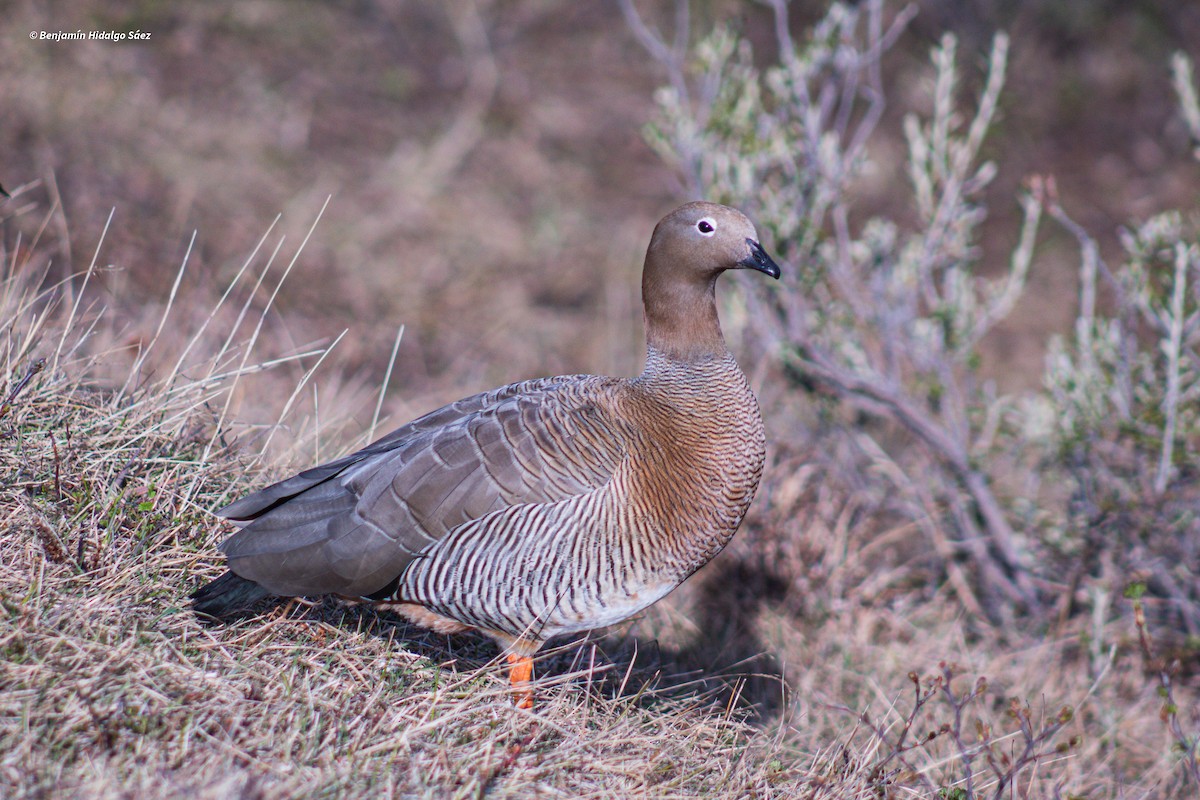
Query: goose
x,y
542,508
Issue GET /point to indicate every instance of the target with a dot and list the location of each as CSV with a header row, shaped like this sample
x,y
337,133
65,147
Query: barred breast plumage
x,y
541,508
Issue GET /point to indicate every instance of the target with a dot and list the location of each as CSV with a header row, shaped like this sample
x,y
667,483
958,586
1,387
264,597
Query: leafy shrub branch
x,y
888,315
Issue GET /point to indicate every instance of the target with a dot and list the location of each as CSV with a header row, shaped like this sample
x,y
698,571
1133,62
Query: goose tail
x,y
226,594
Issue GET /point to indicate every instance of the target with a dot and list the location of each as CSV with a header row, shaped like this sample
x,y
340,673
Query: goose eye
x,y
705,227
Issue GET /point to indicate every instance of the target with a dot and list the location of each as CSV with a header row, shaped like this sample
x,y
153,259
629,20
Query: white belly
x,y
609,612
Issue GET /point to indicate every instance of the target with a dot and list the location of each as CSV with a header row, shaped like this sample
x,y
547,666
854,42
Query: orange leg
x,y
520,673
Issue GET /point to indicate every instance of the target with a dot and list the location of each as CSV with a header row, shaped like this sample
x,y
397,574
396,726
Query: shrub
x,y
880,321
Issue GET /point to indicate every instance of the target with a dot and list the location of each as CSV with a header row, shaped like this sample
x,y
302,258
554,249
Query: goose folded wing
x,y
353,525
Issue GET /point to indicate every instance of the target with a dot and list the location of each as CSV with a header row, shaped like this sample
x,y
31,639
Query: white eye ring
x,y
706,227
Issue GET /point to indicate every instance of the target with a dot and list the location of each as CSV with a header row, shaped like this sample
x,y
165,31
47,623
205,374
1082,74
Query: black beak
x,y
759,260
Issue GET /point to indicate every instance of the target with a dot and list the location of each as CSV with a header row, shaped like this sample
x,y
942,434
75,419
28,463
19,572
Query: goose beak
x,y
759,260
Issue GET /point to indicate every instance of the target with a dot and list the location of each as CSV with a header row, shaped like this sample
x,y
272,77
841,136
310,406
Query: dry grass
x,y
112,688
751,681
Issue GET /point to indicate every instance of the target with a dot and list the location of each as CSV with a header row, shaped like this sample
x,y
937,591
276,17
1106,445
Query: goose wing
x,y
351,526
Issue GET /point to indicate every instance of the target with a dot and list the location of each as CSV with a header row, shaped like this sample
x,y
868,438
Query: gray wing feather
x,y
353,525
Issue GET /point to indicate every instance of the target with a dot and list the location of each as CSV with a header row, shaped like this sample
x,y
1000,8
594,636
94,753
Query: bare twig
x,y
875,398
1173,343
673,58
1185,88
425,173
1169,713
33,369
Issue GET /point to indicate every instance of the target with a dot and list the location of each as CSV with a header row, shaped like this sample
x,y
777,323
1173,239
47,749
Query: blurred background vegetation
x,y
525,228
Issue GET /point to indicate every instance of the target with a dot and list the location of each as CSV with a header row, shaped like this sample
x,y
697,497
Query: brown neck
x,y
681,317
